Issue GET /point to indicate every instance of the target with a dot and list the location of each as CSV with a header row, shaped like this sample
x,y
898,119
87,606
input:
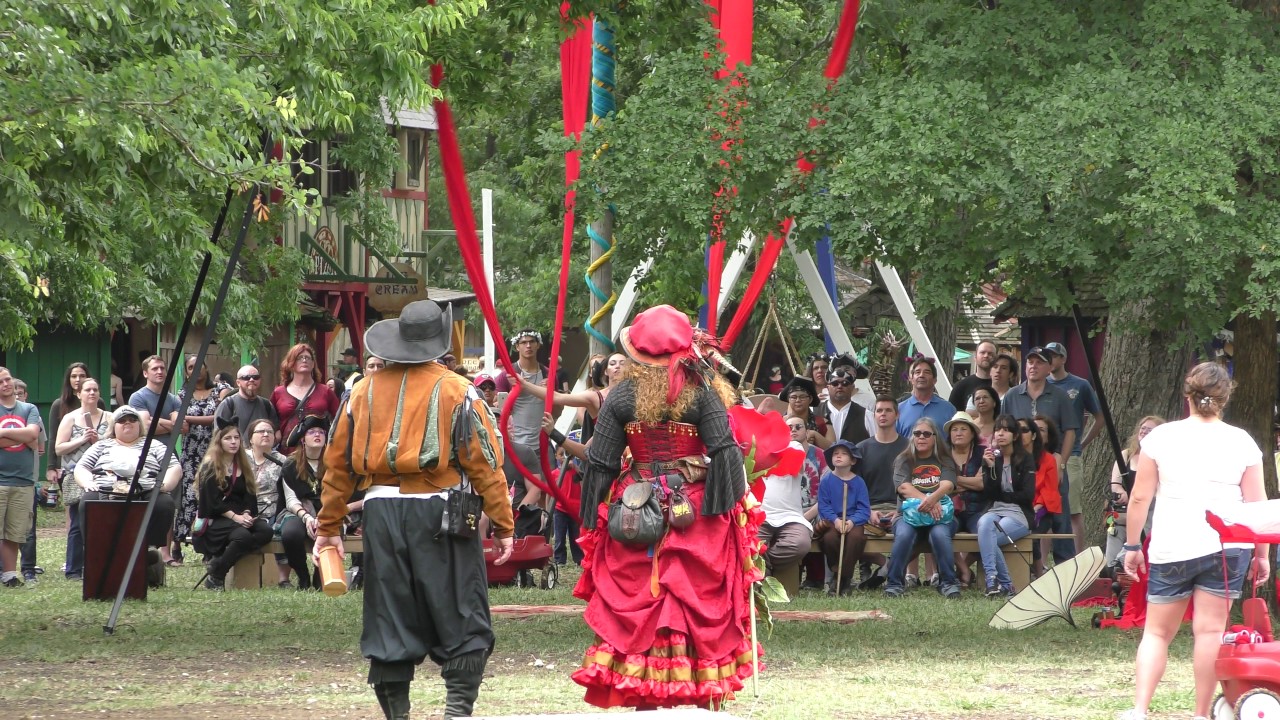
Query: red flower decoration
x,y
765,441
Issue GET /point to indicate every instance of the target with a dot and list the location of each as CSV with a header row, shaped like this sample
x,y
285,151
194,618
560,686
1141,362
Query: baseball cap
x,y
483,378
1056,348
127,411
1040,353
350,351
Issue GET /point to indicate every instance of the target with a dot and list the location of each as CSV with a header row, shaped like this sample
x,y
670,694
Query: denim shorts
x,y
1171,582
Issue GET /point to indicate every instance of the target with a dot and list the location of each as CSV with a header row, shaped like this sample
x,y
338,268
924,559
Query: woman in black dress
x,y
228,500
299,498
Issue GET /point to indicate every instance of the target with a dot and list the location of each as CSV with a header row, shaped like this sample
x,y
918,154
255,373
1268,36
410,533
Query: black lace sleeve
x,y
604,454
726,477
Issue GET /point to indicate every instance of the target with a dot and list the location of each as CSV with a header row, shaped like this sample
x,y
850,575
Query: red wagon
x,y
528,554
1248,665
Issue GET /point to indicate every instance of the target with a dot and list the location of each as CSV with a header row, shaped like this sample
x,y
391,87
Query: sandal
x,y
173,563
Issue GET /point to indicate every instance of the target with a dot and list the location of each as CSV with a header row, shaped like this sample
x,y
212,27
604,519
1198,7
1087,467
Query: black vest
x,y
855,422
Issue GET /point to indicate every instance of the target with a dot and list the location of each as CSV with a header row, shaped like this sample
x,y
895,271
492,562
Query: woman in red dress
x,y
671,619
300,393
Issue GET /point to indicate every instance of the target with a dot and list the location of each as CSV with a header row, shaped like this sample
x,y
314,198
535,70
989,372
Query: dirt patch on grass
x,y
211,685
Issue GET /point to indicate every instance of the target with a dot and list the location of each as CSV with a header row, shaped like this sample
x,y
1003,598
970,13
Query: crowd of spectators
x,y
235,482
997,458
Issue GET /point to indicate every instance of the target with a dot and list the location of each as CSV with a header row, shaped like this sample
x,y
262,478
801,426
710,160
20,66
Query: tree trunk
x,y
1252,405
940,326
1142,371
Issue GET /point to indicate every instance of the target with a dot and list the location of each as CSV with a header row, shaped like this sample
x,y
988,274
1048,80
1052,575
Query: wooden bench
x,y
247,573
1016,555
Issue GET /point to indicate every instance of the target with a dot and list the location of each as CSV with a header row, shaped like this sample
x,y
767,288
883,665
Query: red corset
x,y
663,442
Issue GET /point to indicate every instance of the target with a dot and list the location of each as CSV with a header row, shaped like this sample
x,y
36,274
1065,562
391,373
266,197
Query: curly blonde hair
x,y
651,393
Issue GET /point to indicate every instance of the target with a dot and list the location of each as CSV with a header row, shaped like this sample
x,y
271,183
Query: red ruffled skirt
x,y
673,625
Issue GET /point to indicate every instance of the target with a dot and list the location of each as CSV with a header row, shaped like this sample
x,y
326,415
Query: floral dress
x,y
194,445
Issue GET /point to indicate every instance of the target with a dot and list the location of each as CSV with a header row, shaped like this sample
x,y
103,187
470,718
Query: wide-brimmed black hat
x,y
309,422
422,333
847,360
801,382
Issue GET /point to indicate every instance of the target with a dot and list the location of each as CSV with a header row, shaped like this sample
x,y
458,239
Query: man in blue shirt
x,y
1083,402
923,401
148,400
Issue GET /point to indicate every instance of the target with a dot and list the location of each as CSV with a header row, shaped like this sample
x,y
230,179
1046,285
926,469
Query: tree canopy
x,y
1130,143
122,125
1032,142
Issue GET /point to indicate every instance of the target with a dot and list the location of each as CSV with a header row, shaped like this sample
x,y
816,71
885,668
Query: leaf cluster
x,y
1040,143
122,125
1132,145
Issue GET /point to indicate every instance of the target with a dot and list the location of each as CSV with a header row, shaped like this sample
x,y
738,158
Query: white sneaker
x,y
914,582
1132,714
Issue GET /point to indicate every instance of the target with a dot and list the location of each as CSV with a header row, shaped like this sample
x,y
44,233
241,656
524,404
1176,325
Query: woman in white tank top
x,y
1191,466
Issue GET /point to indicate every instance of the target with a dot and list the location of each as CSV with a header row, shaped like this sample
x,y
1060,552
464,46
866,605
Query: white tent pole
x,y
915,328
621,313
822,301
486,222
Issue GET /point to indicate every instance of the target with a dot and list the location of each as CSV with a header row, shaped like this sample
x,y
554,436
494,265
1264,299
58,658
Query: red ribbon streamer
x,y
464,221
837,60
715,271
733,21
575,86
843,41
764,268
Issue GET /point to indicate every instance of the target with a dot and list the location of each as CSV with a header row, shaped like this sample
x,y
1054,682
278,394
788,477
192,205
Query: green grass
x,y
282,654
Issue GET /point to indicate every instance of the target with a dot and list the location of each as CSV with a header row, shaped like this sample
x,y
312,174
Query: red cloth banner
x,y
773,245
837,60
464,223
575,88
734,24
843,41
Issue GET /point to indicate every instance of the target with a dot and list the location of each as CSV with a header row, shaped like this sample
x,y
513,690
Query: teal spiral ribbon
x,y
602,106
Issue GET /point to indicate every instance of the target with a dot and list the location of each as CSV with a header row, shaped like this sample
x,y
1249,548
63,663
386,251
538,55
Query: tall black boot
x,y
462,676
390,681
393,697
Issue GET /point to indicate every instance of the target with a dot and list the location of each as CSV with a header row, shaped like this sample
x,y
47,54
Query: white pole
x,y
618,320
826,307
486,221
915,328
733,268
818,291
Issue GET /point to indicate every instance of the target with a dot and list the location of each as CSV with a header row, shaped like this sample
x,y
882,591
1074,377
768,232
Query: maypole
x,y
599,275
